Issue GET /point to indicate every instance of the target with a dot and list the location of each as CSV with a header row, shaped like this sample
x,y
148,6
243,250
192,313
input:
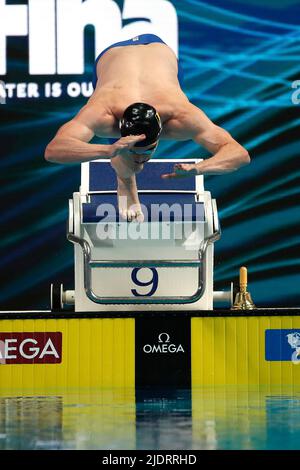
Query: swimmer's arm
x,y
70,145
228,154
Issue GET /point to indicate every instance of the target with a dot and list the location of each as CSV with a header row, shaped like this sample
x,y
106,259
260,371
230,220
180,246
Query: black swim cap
x,y
141,118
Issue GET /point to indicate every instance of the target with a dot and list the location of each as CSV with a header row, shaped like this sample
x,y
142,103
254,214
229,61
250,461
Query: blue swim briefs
x,y
142,39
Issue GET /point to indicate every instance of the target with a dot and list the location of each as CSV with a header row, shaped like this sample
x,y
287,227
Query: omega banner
x,y
30,348
163,352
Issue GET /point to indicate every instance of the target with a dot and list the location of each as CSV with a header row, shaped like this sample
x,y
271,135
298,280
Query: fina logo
x,y
55,29
294,342
163,346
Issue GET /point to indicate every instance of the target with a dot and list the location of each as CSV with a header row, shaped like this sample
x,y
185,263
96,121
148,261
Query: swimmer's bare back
x,y
141,73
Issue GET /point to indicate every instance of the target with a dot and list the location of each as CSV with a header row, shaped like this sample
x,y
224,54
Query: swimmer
x,y
138,99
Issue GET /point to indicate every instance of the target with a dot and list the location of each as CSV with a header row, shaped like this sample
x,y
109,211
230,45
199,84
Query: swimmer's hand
x,y
182,170
123,145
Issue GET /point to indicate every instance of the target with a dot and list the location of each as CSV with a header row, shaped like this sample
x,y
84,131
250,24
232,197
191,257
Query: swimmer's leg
x,y
128,199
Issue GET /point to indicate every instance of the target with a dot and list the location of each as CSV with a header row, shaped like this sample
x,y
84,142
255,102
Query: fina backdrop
x,y
241,66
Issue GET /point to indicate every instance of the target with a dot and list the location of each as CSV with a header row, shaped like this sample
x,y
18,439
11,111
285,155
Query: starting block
x,y
164,263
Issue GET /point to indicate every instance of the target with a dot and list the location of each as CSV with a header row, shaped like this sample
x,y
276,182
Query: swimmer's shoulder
x,y
177,127
97,115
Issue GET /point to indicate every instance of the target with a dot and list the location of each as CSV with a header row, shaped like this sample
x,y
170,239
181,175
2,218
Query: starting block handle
x,y
88,263
145,264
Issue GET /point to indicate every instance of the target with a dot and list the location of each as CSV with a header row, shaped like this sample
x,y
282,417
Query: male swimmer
x,y
137,94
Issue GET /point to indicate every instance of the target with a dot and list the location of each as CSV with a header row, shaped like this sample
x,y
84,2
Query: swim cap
x,y
141,118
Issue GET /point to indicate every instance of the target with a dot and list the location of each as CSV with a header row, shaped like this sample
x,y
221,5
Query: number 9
x,y
153,282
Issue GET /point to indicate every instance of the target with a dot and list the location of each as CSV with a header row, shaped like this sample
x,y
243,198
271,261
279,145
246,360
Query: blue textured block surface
x,y
103,178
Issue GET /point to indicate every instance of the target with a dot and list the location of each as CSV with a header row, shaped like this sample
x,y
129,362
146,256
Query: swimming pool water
x,y
152,420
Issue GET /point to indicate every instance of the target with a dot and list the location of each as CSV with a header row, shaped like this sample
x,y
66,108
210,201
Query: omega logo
x,y
164,346
167,336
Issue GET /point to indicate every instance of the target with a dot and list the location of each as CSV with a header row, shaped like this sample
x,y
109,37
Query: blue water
x,y
121,419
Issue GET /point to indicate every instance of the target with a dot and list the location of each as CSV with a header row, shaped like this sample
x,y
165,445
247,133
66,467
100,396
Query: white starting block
x,y
164,263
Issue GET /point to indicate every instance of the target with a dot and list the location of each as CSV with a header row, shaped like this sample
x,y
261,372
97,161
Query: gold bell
x,y
243,300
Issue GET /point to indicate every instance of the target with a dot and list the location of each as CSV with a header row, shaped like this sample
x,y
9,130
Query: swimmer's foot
x,y
128,201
